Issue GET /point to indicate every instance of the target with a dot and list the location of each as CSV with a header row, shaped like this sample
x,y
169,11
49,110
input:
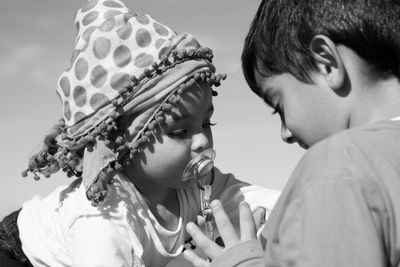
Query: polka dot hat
x,y
113,43
123,63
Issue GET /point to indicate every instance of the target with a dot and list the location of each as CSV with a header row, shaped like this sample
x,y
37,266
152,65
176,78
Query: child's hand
x,y
259,217
226,230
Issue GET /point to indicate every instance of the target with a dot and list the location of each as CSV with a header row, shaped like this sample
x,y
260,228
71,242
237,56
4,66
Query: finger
x,y
259,216
194,259
247,225
225,227
209,248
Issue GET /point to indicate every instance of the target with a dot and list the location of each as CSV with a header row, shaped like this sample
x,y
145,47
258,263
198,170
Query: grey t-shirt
x,y
341,206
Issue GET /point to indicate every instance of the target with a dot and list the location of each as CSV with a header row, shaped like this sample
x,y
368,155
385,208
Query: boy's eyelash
x,y
209,124
275,110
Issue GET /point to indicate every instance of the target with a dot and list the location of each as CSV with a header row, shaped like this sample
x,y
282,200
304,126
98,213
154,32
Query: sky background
x,y
36,42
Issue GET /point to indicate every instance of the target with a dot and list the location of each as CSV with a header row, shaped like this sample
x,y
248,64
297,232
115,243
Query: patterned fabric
x,y
113,43
123,63
10,243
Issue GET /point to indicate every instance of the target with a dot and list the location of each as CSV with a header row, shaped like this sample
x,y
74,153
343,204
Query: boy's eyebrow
x,y
266,96
210,109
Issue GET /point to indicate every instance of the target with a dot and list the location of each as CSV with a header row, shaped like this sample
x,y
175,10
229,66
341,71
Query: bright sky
x,y
36,42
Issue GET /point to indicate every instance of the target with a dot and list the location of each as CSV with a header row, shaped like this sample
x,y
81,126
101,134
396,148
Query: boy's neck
x,y
377,101
371,99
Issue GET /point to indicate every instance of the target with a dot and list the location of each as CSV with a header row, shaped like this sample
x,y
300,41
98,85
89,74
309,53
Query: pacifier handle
x,y
196,174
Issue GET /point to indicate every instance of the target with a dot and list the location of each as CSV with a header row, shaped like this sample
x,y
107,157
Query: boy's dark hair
x,y
281,31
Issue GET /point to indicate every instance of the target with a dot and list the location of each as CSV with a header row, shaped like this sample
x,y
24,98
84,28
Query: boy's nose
x,y
200,141
287,135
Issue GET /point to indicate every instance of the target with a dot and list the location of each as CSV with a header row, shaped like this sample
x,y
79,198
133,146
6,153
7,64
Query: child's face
x,y
309,112
185,133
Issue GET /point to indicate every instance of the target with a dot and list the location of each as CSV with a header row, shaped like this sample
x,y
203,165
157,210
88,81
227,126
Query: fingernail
x,y
243,203
215,203
189,226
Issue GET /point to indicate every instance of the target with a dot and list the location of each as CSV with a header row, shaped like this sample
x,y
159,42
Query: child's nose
x,y
287,135
200,141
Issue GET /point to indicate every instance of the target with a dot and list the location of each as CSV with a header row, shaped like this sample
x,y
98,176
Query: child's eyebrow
x,y
179,116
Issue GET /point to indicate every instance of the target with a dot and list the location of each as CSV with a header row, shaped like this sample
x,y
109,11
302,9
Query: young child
x,y
331,70
137,108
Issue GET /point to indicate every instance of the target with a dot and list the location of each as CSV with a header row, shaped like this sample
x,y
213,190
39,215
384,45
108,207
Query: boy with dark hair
x,y
330,69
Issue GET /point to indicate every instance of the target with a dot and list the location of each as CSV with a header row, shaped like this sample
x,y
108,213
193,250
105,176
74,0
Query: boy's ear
x,y
328,60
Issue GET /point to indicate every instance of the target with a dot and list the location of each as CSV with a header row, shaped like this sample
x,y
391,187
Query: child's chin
x,y
192,182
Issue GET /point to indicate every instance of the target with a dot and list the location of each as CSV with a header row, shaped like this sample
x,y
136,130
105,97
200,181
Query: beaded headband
x,y
123,63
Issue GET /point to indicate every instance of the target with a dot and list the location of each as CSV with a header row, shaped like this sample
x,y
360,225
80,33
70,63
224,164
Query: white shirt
x,y
122,231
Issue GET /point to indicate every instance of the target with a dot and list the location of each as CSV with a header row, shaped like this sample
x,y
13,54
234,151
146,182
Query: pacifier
x,y
199,166
196,169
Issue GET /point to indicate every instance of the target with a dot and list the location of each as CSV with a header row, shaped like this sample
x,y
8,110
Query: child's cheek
x,y
182,153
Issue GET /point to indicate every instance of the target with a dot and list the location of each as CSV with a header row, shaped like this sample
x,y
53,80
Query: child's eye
x,y
208,124
178,132
183,132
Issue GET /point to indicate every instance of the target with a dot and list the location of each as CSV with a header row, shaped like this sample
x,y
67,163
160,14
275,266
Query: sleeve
x,y
97,241
333,223
232,191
